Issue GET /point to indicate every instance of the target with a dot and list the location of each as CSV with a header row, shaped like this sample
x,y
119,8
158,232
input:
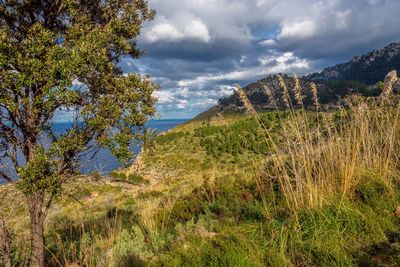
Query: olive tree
x,y
65,55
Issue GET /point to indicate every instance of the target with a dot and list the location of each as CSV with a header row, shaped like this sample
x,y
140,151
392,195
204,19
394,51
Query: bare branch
x,y
6,177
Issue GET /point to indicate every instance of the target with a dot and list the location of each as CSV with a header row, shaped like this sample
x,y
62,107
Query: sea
x,y
104,161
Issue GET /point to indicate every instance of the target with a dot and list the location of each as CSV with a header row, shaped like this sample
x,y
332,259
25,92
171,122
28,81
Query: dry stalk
x,y
390,80
286,95
297,91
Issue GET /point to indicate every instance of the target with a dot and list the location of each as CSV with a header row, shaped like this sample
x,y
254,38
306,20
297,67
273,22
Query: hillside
x,y
368,69
110,220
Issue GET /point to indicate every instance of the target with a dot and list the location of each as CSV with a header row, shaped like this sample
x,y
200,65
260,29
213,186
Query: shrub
x,y
96,176
133,178
130,248
226,249
136,179
119,176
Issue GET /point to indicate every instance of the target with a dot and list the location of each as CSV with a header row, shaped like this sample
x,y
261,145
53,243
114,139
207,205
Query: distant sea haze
x,y
104,161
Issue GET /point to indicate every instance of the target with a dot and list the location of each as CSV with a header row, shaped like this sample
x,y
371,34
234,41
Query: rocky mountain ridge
x,y
368,69
360,75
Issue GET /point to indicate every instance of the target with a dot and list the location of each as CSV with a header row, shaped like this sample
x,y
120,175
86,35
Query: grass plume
x,y
325,158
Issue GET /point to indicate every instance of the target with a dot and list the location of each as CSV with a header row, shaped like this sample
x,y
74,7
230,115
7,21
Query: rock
x,y
396,212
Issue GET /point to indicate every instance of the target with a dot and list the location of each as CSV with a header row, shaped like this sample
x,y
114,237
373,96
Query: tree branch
x,y
6,177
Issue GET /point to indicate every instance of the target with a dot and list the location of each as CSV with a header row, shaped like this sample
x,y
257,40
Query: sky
x,y
197,49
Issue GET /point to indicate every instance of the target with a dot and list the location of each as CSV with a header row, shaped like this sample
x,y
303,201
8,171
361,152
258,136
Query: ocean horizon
x,y
104,161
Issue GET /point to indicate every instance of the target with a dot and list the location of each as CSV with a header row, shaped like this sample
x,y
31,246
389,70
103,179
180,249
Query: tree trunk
x,y
37,216
5,244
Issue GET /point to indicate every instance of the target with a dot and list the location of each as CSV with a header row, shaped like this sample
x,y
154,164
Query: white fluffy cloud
x,y
298,30
182,28
182,98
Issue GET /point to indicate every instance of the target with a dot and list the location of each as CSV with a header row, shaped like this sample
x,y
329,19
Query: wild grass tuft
x,y
323,158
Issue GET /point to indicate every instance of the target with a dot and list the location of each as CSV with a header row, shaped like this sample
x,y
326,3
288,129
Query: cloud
x,y
163,31
183,102
269,64
166,31
297,30
268,42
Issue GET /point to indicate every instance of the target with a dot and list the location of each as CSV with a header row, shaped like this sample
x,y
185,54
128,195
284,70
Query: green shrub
x,y
117,175
130,248
230,248
96,176
136,179
133,178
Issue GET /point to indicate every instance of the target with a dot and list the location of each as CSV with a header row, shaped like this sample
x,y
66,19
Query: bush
x,y
130,248
133,178
119,176
136,179
225,249
96,176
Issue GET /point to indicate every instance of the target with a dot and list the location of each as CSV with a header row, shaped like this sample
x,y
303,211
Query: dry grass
x,y
327,154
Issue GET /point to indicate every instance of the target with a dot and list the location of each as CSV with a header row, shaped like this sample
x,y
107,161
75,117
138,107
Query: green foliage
x,y
229,227
96,176
342,87
133,178
371,91
236,138
229,197
81,242
346,87
226,249
129,246
226,221
117,175
137,179
66,56
38,175
334,235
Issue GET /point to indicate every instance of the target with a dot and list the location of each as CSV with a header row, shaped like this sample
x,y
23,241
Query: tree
x,y
64,55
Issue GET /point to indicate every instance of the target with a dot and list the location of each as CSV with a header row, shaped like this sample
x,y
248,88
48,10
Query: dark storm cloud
x,y
196,49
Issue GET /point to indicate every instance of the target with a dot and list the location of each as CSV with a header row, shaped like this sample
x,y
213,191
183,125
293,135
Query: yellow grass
x,y
327,154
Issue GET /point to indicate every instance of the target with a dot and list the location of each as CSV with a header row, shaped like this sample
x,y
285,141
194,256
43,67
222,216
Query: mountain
x,y
360,75
368,69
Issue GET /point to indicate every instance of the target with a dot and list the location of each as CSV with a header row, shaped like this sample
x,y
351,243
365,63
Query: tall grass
x,y
327,154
